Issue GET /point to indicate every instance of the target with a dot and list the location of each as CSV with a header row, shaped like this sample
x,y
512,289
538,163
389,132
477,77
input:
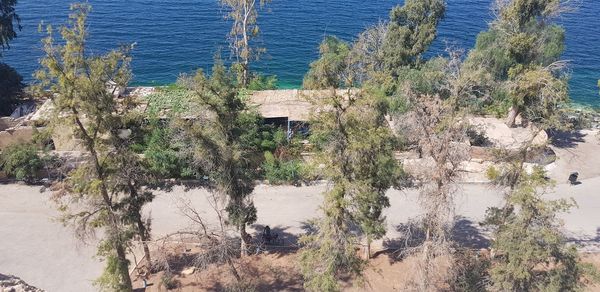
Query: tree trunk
x,y
233,270
512,116
144,237
141,227
368,249
244,240
123,267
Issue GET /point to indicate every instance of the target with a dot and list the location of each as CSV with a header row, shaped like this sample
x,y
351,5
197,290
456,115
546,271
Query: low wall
x,y
16,135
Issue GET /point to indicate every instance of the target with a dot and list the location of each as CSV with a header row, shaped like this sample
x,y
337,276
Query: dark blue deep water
x,y
175,36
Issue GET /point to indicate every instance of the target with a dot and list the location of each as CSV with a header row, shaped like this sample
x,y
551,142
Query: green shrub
x,y
499,104
281,172
21,162
11,88
260,82
162,157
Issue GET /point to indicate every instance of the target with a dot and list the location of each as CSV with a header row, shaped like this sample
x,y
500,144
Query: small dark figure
x,y
573,178
267,236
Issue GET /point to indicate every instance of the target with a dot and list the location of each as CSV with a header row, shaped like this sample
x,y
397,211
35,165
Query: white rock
x,y
541,139
188,271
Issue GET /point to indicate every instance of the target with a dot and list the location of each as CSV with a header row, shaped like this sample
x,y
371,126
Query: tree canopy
x,y
521,45
10,22
412,29
104,191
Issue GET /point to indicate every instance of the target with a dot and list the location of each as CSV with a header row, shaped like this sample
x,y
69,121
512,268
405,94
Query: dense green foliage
x,y
11,88
164,157
326,72
283,163
225,141
533,254
21,161
354,146
411,30
515,62
260,82
279,171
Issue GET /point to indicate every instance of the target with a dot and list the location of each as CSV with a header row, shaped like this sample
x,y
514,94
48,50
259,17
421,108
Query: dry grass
x,y
279,272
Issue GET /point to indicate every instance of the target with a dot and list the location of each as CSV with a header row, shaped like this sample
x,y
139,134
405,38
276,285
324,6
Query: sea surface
x,y
180,36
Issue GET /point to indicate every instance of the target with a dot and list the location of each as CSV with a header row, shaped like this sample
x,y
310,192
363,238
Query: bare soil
x,y
280,272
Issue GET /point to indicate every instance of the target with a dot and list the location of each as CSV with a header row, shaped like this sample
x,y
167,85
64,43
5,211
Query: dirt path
x,y
45,254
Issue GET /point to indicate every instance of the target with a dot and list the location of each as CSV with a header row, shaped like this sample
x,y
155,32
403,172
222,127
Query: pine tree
x,y
532,253
411,30
104,192
517,60
244,15
222,141
355,146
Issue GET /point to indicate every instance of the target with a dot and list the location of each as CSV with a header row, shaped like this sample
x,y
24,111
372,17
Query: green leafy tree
x,y
244,15
224,142
104,192
389,56
522,47
411,31
532,252
328,71
354,144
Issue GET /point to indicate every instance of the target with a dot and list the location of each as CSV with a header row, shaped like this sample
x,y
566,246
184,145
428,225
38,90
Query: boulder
x,y
502,136
17,135
44,113
7,123
541,139
10,283
188,271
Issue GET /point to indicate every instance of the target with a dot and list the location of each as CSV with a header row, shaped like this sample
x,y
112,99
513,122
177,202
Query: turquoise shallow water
x,y
175,36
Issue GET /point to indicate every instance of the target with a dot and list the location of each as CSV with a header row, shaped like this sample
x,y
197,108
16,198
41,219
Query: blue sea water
x,y
175,36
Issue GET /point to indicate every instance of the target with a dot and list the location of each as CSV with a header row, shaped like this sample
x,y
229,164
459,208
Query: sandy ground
x,y
45,254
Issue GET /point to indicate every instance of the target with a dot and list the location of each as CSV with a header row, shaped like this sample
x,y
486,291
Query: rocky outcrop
x,y
502,136
10,283
16,135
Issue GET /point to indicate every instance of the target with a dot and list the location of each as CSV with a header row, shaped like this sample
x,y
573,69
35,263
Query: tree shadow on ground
x,y
286,242
257,275
412,235
589,242
565,139
468,234
465,234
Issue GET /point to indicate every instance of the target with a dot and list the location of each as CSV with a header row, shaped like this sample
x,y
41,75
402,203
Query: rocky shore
x,y
9,283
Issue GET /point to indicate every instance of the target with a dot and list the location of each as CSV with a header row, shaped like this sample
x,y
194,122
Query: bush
x,y
11,88
259,82
21,162
169,282
471,273
164,160
281,172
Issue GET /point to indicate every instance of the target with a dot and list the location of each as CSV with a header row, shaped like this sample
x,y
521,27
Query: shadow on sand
x,y
464,234
566,139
